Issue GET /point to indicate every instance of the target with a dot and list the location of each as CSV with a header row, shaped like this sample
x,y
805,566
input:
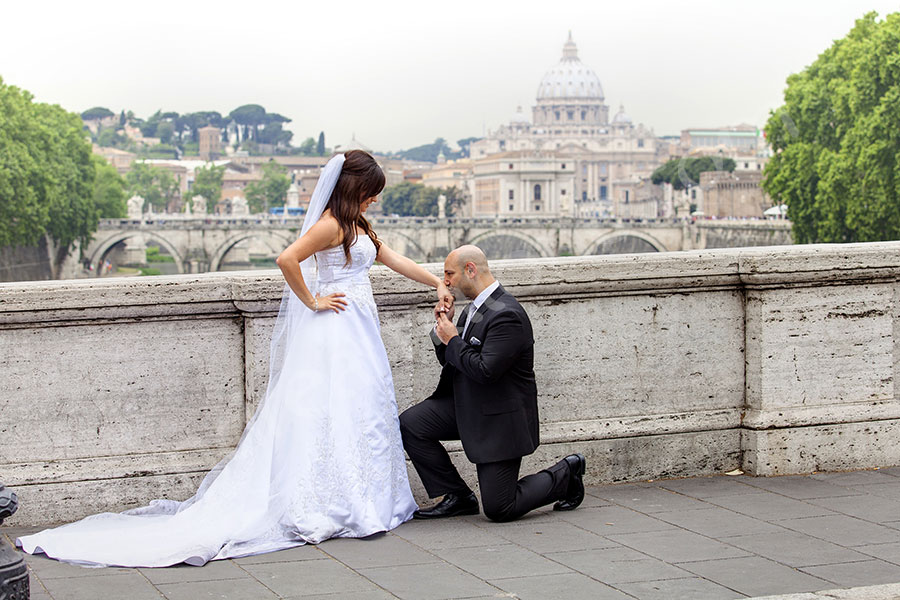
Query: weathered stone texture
x,y
117,391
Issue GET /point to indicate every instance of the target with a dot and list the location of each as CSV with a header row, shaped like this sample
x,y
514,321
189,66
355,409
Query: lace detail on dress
x,y
357,293
353,279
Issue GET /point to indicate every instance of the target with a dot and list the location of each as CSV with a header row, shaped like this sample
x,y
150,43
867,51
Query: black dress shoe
x,y
451,506
575,492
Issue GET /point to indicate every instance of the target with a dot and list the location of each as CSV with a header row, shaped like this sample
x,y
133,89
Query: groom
x,y
487,399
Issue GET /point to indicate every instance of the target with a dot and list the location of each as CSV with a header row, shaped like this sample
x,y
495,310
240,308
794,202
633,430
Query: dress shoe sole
x,y
567,504
456,513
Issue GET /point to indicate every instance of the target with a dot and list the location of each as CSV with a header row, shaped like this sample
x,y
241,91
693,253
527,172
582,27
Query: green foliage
x,y
681,172
249,117
836,141
429,152
163,151
846,160
96,113
46,173
416,200
109,138
308,147
156,186
271,190
153,256
320,145
109,190
464,145
208,183
165,131
150,271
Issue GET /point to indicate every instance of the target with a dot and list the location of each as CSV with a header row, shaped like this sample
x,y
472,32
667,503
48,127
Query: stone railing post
x,y
821,365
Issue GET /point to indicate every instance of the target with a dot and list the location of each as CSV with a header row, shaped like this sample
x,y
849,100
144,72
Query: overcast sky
x,y
399,74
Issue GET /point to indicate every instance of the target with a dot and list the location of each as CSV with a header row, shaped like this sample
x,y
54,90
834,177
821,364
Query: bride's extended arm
x,y
408,268
320,236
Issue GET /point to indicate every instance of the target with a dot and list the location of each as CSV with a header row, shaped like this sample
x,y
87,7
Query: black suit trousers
x,y
504,496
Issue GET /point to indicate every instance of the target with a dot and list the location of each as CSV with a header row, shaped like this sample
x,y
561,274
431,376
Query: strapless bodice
x,y
333,267
352,280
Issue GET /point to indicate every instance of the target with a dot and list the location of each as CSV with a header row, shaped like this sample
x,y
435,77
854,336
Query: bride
x,y
322,456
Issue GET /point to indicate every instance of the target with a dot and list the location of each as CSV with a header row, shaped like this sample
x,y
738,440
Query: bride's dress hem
x,y
321,458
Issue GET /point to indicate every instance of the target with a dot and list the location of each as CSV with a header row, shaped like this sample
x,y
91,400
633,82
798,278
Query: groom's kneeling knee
x,y
499,512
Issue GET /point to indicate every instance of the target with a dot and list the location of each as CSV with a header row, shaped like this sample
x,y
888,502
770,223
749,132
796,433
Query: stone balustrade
x,y
776,360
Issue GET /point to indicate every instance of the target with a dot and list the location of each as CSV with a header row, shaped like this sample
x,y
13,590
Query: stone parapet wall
x,y
776,360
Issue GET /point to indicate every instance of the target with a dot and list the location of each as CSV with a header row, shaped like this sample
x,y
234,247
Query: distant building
x,y
724,195
120,159
570,159
210,142
740,139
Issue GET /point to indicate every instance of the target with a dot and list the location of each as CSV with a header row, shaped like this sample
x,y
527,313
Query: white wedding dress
x,y
322,457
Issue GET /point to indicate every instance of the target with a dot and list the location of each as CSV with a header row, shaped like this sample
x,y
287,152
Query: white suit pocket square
x,y
474,341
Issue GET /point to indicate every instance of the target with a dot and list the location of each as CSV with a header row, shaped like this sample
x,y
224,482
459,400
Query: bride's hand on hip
x,y
333,302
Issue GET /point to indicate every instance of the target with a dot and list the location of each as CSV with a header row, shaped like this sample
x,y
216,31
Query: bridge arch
x,y
104,247
631,241
418,252
515,242
220,252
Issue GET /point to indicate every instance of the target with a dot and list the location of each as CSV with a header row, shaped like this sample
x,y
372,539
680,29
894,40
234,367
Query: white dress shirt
x,y
476,304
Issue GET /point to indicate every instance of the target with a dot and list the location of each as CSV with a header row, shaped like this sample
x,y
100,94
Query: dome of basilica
x,y
621,117
570,78
519,117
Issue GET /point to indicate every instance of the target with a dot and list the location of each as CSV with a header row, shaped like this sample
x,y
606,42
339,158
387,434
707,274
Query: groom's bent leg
x,y
505,497
423,426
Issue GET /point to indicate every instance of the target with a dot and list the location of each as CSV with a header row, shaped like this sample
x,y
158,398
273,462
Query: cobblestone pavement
x,y
702,538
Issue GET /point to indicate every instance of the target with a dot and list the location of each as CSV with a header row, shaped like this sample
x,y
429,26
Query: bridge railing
x,y
774,360
177,221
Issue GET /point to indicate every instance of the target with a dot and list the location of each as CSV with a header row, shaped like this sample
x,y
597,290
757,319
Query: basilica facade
x,y
570,159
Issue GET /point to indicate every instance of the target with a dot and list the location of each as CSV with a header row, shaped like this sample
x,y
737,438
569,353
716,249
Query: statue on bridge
x,y
135,207
199,205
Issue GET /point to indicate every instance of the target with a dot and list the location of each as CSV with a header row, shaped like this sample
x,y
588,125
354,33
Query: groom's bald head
x,y
467,270
469,254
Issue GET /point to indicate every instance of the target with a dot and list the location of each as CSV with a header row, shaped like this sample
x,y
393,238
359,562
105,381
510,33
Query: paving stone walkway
x,y
704,538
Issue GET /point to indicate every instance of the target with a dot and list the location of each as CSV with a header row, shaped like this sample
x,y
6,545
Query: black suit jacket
x,y
489,376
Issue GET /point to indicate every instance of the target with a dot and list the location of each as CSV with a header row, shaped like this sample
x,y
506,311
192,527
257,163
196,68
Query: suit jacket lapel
x,y
481,313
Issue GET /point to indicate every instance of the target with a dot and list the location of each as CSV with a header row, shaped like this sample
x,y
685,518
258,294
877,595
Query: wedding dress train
x,y
322,457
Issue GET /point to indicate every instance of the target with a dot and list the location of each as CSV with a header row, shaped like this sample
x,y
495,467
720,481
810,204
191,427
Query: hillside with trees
x,y
172,135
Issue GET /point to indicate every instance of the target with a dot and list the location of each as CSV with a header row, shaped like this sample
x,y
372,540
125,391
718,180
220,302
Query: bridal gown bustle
x,y
322,458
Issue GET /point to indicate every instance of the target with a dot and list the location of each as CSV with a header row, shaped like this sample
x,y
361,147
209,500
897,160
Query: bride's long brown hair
x,y
360,178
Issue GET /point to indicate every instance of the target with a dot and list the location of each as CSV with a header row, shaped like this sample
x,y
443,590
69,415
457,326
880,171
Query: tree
x,y
464,145
164,131
416,200
273,134
836,145
271,190
250,117
208,183
157,186
46,173
97,113
682,172
429,152
109,190
320,145
308,147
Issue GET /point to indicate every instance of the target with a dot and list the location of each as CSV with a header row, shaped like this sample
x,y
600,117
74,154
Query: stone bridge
x,y
201,244
116,391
